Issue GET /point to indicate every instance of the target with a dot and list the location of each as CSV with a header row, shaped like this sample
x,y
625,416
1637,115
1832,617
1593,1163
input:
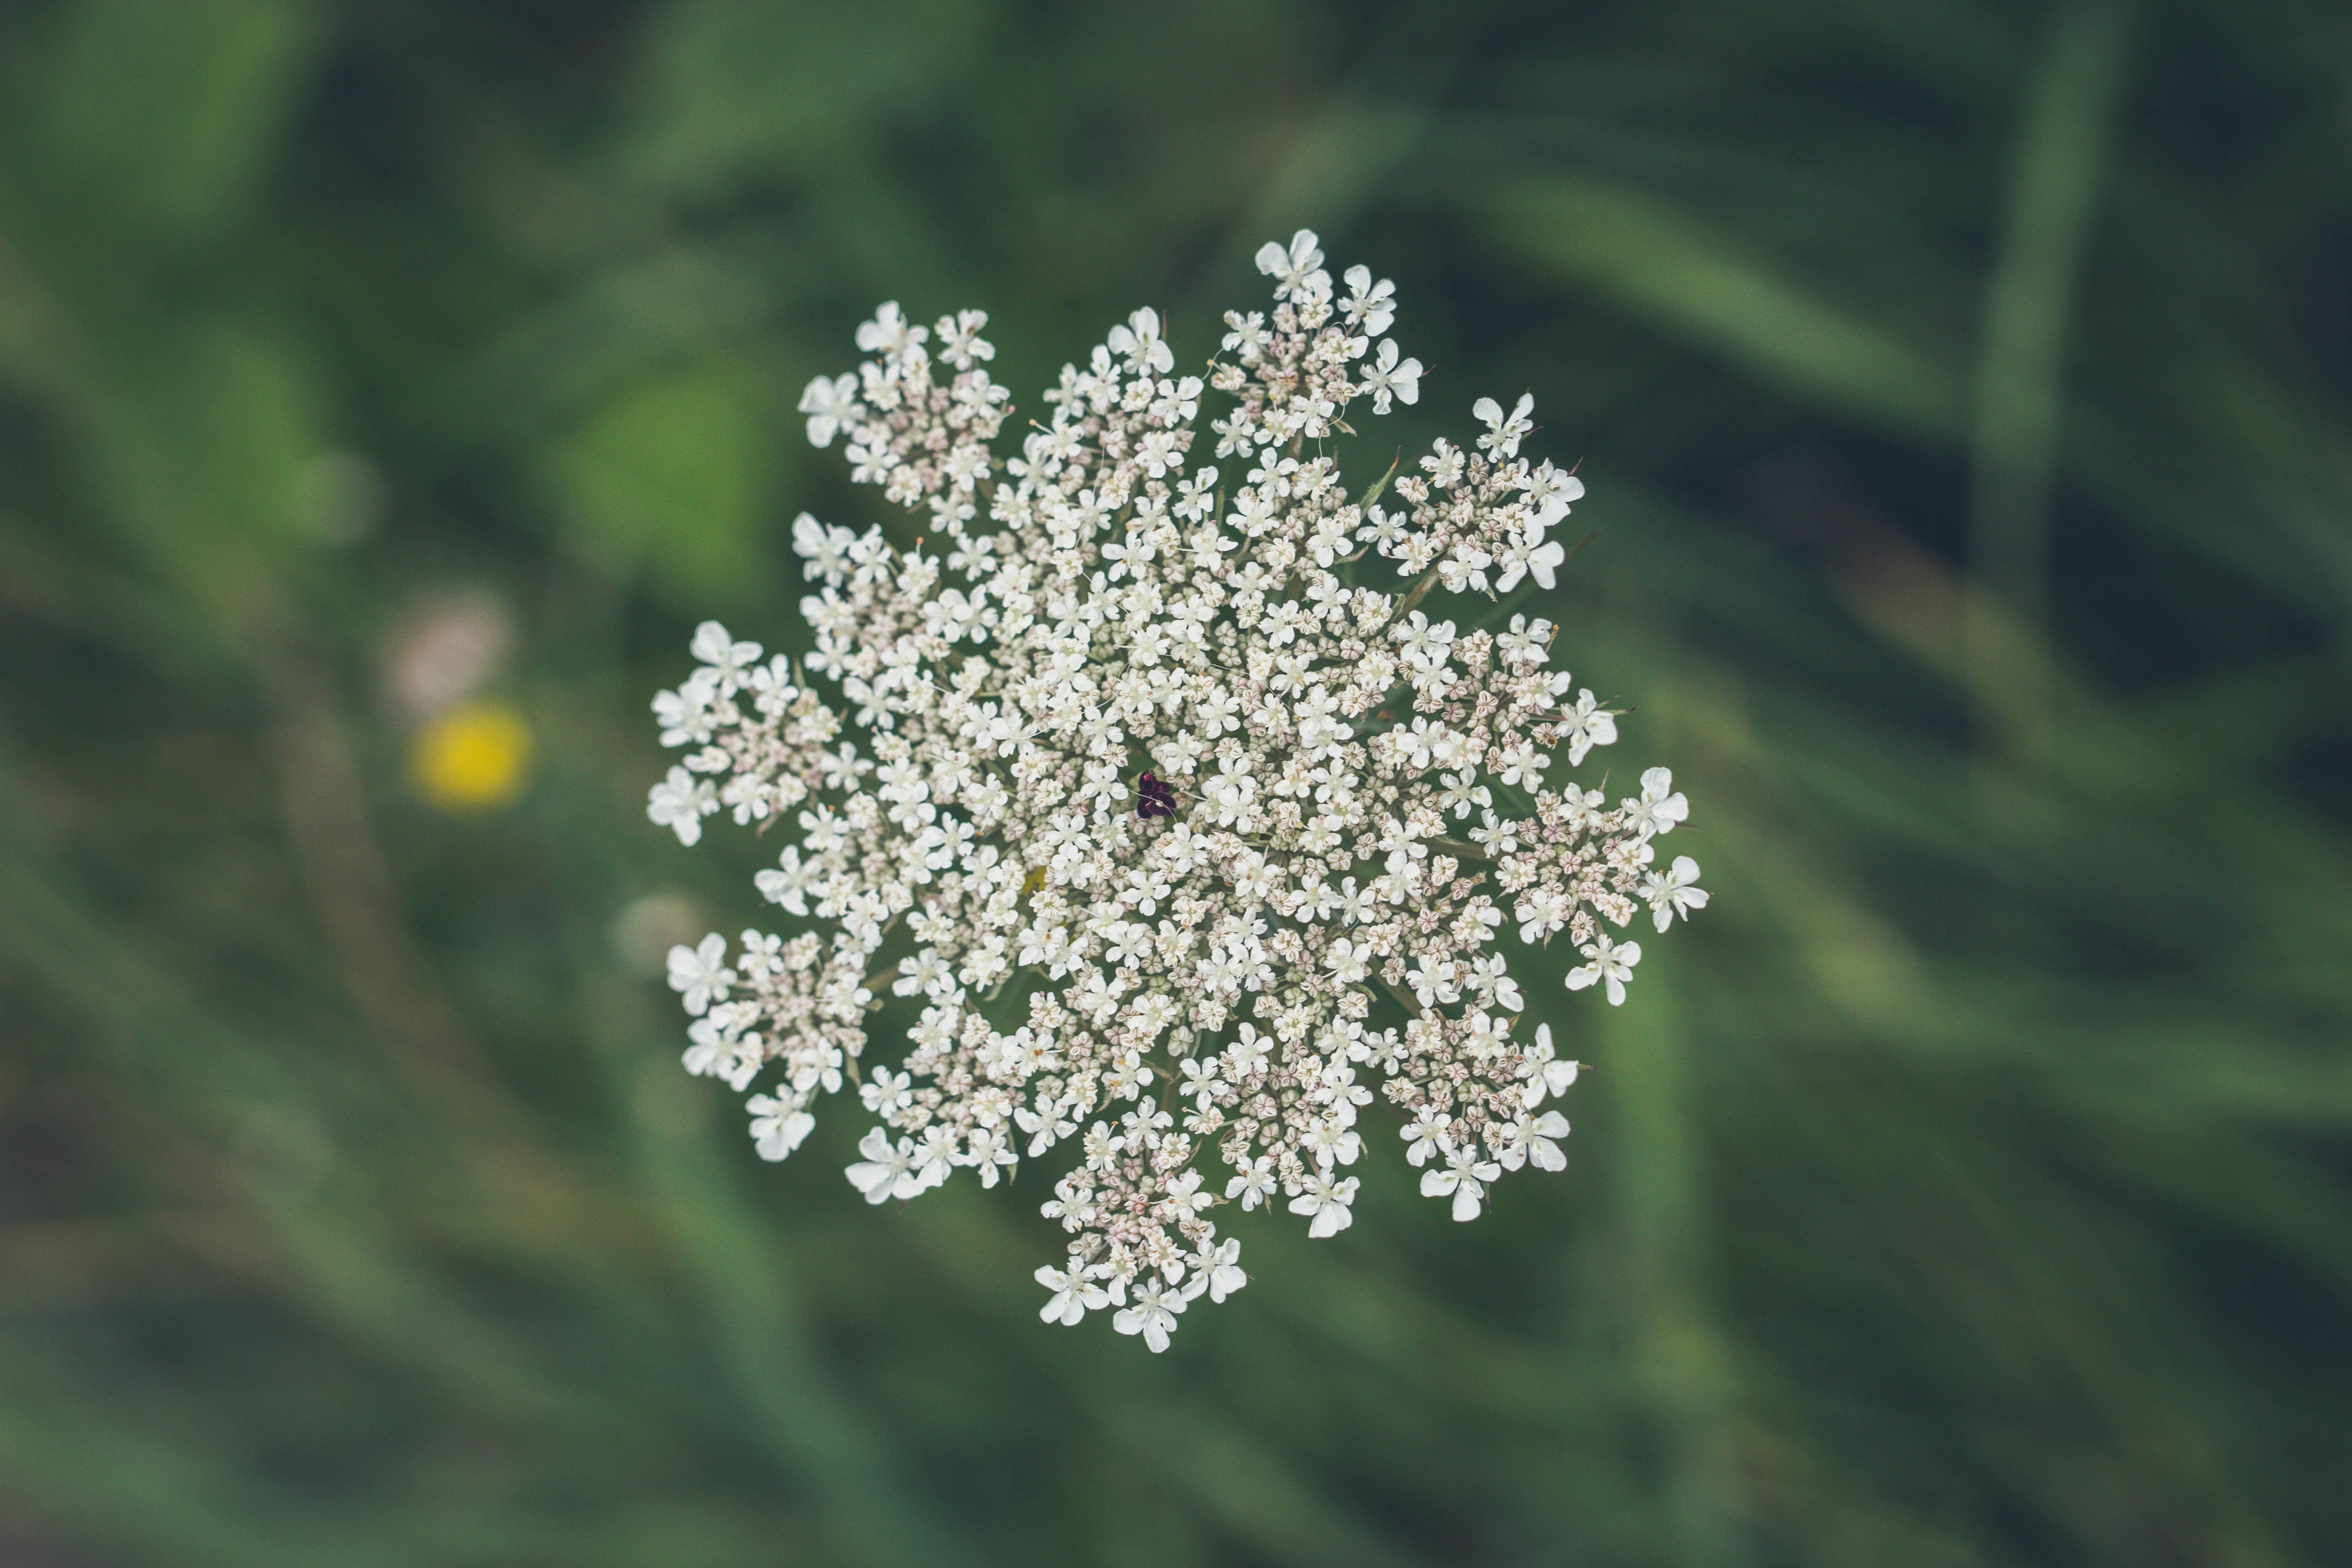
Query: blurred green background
x,y
1966,393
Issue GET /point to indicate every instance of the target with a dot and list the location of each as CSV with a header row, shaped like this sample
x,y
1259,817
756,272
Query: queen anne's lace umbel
x,y
1180,814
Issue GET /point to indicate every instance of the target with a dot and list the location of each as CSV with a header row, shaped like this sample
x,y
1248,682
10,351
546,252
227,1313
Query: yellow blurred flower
x,y
472,758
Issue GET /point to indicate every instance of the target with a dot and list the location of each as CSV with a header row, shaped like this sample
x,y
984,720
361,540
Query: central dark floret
x,y
1155,796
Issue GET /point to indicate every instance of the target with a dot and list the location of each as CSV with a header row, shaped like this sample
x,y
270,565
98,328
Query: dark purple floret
x,y
1155,796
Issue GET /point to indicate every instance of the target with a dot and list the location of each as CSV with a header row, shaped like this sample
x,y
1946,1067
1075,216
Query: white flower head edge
x,y
1166,803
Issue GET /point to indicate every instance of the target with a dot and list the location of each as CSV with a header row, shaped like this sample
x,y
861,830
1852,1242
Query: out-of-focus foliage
x,y
1963,391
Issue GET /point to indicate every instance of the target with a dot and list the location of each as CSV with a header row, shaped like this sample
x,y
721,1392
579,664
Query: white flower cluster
x,y
1187,835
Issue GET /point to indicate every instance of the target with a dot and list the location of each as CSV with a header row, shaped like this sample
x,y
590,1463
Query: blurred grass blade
x,y
1711,290
2062,156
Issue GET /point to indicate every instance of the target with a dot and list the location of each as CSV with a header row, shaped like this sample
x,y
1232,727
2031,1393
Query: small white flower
x,y
1246,1056
920,972
1544,1072
1347,965
889,333
681,801
1255,1185
827,552
1200,1080
779,1126
1503,435
829,405
1073,1294
1588,725
1523,764
1463,1177
1522,643
1550,493
1220,1271
1611,965
1673,891
1248,338
1386,377
1327,1202
1661,807
991,1152
1102,1146
1334,1142
1298,272
1462,792
1151,1313
1433,981
888,1170
685,714
1141,342
701,973
961,343
888,1093
1369,307
1425,1135
1529,1140
727,658
1530,553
